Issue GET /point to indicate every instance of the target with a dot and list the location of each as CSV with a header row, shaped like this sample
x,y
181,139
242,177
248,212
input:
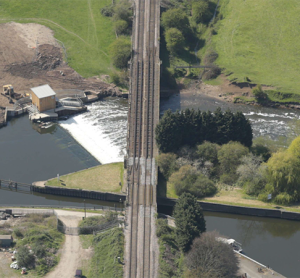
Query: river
x,y
28,155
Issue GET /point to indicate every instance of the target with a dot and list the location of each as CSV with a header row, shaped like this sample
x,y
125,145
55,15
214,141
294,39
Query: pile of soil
x,y
25,66
48,57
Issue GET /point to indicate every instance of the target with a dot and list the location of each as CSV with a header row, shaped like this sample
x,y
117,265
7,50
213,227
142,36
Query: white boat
x,y
235,245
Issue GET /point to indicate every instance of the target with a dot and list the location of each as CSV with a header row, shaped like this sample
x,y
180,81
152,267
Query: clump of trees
x,y
120,51
191,127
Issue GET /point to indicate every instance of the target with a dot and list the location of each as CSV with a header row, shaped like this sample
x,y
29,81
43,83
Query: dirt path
x,y
70,254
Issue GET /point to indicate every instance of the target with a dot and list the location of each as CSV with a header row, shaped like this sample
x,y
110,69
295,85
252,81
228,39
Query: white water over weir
x,y
102,130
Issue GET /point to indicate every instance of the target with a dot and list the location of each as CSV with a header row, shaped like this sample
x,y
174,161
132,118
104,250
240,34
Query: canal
x,y
272,242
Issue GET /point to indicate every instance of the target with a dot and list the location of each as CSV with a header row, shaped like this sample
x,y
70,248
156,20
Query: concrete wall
x,y
96,195
237,209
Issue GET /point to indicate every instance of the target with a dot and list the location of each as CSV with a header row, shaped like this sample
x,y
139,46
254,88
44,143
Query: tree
x,y
201,12
208,152
168,132
120,51
24,257
229,157
189,220
259,94
209,258
167,164
175,18
294,147
174,40
283,176
251,174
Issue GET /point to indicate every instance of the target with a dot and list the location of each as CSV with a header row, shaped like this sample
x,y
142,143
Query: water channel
x,y
29,154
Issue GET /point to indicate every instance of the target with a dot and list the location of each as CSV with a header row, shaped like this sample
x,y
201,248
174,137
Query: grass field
x,y
104,178
261,40
79,24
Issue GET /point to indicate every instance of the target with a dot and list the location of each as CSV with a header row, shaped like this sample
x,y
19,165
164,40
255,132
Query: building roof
x,y
43,91
5,237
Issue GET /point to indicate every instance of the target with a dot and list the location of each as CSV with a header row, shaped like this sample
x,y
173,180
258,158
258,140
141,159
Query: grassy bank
x,y
107,247
104,178
234,196
79,24
260,40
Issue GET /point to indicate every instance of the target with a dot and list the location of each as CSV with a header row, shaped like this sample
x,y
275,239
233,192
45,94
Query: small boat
x,y
235,245
47,125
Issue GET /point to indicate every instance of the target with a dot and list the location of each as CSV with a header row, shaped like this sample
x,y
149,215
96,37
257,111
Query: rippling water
x,y
102,130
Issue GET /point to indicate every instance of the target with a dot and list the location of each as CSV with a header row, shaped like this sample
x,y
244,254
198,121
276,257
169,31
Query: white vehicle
x,y
235,245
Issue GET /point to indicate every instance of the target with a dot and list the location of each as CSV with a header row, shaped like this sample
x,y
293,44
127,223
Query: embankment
x,y
206,206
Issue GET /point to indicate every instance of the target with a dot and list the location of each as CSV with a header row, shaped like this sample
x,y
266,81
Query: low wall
x,y
78,193
206,206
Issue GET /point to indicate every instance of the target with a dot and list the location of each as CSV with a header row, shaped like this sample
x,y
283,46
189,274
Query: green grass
x,y
244,99
77,23
260,40
86,241
107,247
104,178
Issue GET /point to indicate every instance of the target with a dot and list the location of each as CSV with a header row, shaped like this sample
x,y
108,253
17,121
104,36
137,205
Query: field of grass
x,y
104,178
79,24
260,40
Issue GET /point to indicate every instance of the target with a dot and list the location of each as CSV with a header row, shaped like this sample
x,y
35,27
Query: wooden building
x,y
5,241
43,97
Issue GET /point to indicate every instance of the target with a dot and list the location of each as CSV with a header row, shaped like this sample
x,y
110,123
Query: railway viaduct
x,y
141,250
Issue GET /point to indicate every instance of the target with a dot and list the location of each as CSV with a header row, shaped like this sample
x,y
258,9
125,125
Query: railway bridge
x,y
141,251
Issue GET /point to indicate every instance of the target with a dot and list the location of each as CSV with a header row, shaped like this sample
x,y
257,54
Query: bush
x,y
25,258
39,250
211,73
120,79
121,27
208,152
261,150
203,187
201,12
120,51
175,18
284,199
162,227
108,10
18,233
122,11
167,164
263,197
259,94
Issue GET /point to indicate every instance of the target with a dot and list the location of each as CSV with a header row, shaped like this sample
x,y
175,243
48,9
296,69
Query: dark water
x,y
272,242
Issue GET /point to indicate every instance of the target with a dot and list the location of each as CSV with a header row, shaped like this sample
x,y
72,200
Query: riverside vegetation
x,y
200,165
185,249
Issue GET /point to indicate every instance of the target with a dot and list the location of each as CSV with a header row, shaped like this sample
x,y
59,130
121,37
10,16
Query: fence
x,y
61,227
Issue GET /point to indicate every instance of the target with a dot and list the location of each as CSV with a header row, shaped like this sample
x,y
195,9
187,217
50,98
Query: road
x,y
141,252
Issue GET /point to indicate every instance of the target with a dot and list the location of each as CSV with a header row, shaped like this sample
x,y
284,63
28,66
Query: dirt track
x,y
30,56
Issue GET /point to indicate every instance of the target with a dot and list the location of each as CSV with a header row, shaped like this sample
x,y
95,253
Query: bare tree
x,y
209,258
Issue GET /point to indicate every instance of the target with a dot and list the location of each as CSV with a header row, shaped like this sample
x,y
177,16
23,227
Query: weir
x,y
141,252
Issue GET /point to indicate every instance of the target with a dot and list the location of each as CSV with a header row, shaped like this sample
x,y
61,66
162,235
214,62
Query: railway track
x,y
141,254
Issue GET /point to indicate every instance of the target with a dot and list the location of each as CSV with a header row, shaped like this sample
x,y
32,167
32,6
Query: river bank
x,y
222,89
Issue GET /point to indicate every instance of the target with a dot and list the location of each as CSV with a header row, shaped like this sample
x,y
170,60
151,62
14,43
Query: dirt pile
x,y
24,65
48,57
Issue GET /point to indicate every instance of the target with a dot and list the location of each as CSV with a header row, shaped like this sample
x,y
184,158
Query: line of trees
x,y
191,127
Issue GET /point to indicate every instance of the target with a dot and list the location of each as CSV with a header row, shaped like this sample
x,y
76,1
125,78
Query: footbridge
x,y
141,252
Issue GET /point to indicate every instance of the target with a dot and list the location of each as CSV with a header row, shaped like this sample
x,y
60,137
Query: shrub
x,y
120,27
167,164
39,250
258,93
203,187
122,11
211,73
284,199
263,197
208,152
175,18
162,227
108,10
261,150
18,233
201,12
25,258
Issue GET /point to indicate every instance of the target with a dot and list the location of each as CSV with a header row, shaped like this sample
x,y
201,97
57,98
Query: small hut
x,y
5,240
43,97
